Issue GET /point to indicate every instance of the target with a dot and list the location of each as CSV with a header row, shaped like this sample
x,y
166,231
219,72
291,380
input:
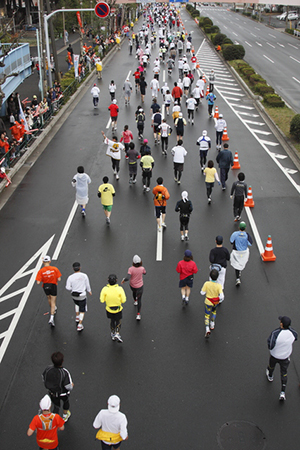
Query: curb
x,y
55,119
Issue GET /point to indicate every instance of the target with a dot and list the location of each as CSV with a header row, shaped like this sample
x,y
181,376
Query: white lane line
x,y
164,75
272,35
257,28
280,44
271,45
159,242
225,27
64,232
268,59
12,294
291,171
258,44
295,59
248,44
7,335
294,46
163,111
296,186
227,87
254,230
108,123
253,34
8,313
234,33
296,80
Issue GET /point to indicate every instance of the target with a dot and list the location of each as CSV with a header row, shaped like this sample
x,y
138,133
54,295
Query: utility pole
x,y
51,30
42,40
64,26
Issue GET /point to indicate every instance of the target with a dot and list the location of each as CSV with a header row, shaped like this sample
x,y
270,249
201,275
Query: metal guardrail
x,y
40,123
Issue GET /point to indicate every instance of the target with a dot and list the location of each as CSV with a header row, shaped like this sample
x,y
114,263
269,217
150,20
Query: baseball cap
x,y
113,404
286,321
136,259
145,141
34,96
219,240
114,100
221,115
46,258
242,225
188,253
45,403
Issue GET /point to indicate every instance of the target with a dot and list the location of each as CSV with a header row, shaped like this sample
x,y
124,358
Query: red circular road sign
x,y
102,9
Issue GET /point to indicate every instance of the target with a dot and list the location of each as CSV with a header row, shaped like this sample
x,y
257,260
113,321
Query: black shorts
x,y
178,167
115,316
50,289
160,210
110,446
81,304
186,282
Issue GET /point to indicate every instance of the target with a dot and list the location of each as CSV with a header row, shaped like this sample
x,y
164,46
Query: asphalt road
x,y
176,388
272,53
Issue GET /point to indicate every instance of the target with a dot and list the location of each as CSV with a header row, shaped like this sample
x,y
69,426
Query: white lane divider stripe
x,y
254,230
64,232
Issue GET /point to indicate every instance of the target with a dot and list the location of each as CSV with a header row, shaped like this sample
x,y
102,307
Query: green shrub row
x,y
193,11
295,127
259,85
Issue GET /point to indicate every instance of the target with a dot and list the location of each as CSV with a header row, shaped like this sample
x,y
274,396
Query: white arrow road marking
x,y
7,335
290,171
272,144
266,133
277,155
255,123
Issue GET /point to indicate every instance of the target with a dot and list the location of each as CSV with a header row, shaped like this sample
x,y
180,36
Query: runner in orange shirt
x,y
161,195
46,425
49,276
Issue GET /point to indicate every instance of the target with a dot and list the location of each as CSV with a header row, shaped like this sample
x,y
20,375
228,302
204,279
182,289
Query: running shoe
x,y
66,416
164,225
282,396
212,325
138,316
186,237
80,327
237,282
135,303
77,319
51,322
182,237
113,336
118,337
207,334
270,378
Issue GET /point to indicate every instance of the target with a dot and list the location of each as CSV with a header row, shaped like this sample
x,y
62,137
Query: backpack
x,y
47,421
159,197
140,119
53,379
211,97
157,119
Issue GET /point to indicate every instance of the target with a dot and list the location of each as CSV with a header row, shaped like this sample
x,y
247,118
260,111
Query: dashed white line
x,y
257,28
268,59
280,44
258,44
272,35
271,45
64,232
248,44
295,59
234,33
294,46
253,34
294,78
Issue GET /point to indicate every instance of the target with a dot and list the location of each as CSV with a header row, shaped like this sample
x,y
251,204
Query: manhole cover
x,y
241,435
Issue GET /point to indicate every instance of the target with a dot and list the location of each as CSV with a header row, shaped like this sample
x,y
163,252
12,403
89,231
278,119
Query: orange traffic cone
x,y
193,50
249,202
203,78
268,254
226,138
216,115
236,163
207,90
197,66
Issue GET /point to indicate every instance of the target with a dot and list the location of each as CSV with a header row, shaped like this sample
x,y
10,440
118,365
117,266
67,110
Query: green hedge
x,y
289,30
274,100
219,38
227,41
215,29
205,21
295,127
233,52
263,88
256,79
